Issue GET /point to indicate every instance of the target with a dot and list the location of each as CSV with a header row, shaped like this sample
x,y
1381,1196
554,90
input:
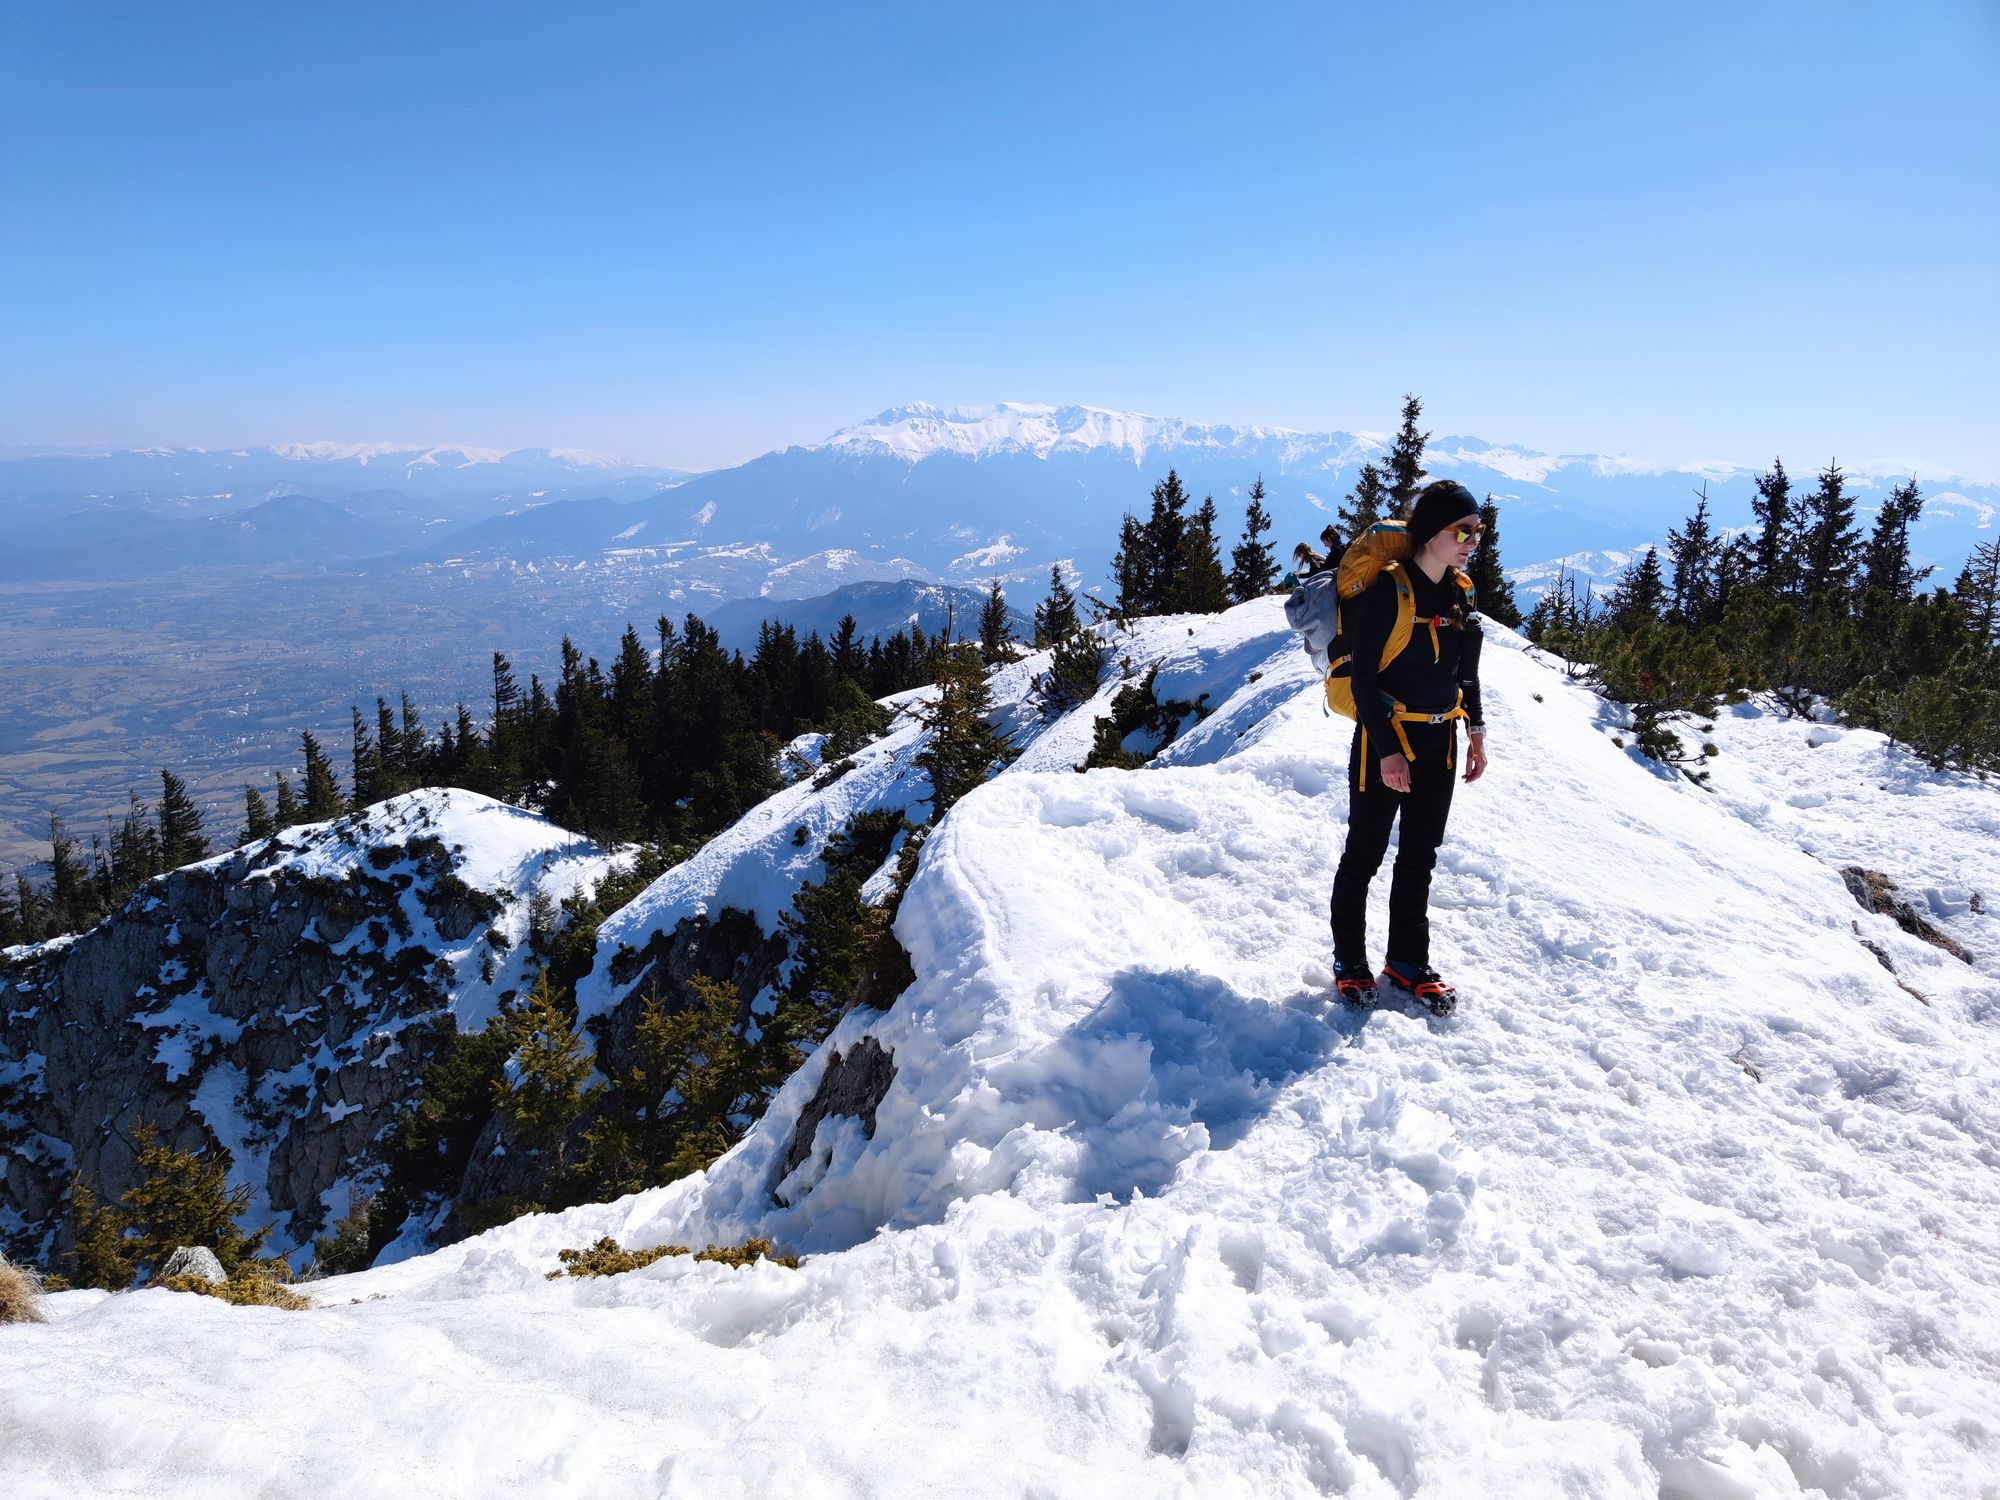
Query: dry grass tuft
x,y
20,1293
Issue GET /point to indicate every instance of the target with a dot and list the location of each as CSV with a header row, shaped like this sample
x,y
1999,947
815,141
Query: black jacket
x,y
1424,681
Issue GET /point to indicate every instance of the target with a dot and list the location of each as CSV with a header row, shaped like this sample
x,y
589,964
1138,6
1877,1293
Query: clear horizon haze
x,y
1701,233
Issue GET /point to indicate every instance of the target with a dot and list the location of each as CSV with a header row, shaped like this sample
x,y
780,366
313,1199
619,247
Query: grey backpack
x,y
1314,612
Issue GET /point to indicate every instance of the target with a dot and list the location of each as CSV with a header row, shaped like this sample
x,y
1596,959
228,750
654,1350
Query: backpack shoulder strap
x,y
1406,614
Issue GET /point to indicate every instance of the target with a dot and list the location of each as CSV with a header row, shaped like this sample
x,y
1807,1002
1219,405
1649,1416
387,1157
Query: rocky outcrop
x,y
1876,892
269,1001
197,1261
854,1084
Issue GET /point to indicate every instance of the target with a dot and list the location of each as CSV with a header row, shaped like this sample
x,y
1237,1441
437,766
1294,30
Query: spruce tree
x,y
257,822
1366,502
996,630
1076,666
550,1086
72,901
1886,559
1405,462
961,749
366,760
1693,550
184,1198
1978,591
1831,543
181,838
1131,571
1491,589
1165,557
1775,560
1202,586
1640,594
99,1254
1253,571
288,812
1055,616
322,788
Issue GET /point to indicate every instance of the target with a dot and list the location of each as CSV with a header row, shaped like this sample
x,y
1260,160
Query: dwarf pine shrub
x,y
254,1283
608,1258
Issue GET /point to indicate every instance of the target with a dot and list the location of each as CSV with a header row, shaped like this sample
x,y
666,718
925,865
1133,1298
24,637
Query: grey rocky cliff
x,y
268,1000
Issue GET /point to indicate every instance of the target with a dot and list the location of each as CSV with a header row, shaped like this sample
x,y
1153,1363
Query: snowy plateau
x,y
1693,1198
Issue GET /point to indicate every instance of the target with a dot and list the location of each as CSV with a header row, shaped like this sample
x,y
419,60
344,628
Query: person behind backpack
x,y
1404,759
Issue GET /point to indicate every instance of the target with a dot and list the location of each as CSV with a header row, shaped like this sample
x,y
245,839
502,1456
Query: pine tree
x,y
1831,544
1405,463
1495,595
1775,561
1055,616
1252,571
1693,550
181,839
257,823
996,630
1886,559
1640,594
1366,502
961,749
322,789
1978,591
1203,588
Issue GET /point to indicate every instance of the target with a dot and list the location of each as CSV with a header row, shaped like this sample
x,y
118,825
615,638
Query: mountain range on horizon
x,y
958,495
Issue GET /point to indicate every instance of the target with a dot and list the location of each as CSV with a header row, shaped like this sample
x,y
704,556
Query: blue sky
x,y
1702,231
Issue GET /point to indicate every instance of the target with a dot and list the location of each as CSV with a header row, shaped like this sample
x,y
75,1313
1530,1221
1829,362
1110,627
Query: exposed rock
x,y
193,1260
854,1084
1878,893
277,1000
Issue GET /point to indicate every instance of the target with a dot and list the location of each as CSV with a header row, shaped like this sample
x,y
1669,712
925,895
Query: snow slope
x,y
1690,1199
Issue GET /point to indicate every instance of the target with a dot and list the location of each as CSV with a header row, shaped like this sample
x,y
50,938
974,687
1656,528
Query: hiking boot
x,y
1421,982
1355,983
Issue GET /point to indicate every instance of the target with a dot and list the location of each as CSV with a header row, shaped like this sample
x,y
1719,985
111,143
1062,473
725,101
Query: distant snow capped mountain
x,y
920,430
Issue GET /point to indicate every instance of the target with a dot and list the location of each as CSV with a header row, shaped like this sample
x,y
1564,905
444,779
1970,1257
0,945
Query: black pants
x,y
1372,810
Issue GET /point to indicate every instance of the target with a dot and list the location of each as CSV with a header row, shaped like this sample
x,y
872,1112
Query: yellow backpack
x,y
1383,548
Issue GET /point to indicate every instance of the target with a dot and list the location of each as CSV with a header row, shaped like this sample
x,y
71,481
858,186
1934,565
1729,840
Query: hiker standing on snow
x,y
1404,757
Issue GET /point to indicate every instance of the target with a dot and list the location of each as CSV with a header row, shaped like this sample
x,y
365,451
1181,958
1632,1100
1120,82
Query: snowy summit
x,y
1693,1197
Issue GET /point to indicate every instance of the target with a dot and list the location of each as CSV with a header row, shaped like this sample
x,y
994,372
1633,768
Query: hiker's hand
x,y
1396,773
1475,757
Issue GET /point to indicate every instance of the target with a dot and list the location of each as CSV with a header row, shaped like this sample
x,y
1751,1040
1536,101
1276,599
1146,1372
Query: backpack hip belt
x,y
1399,715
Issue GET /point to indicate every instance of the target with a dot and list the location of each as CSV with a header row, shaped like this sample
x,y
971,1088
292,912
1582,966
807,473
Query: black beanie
x,y
1438,505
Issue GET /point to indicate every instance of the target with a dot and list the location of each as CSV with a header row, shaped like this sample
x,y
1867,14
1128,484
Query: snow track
x,y
1691,1197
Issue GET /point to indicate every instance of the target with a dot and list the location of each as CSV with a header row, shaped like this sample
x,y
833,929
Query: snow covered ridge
x,y
284,997
1691,1198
